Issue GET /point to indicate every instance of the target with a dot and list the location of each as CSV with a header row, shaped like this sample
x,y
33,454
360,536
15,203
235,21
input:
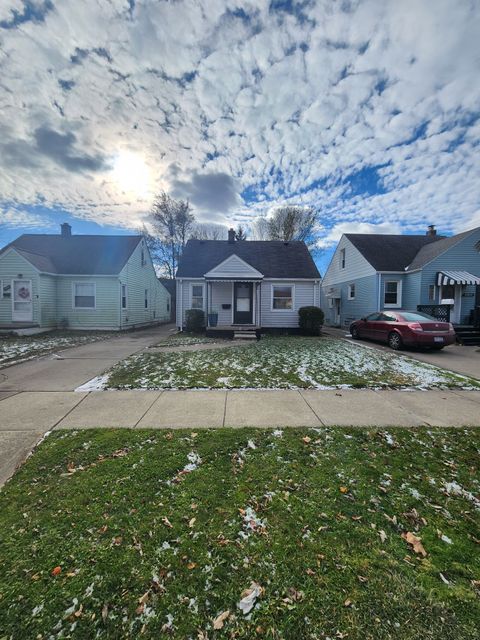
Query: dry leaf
x,y
167,522
192,522
191,565
383,535
415,542
104,612
347,603
220,620
248,598
310,572
56,571
139,610
143,599
343,489
306,439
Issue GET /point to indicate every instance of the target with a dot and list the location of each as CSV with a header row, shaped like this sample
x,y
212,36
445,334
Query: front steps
x,y
467,334
245,334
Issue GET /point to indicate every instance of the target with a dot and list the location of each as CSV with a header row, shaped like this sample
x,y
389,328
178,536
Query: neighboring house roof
x,y
76,254
431,251
391,252
170,285
273,258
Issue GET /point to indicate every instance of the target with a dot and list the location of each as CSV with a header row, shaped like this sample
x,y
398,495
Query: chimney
x,y
231,236
431,231
66,230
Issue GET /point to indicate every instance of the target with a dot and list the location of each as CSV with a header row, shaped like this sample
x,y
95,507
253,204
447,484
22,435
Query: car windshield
x,y
411,316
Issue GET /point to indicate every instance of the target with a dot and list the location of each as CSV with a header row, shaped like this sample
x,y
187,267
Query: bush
x,y
194,320
310,320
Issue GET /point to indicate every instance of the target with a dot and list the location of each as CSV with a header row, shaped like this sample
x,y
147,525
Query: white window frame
x,y
292,287
434,293
350,296
197,284
398,303
74,284
146,299
122,285
343,258
3,284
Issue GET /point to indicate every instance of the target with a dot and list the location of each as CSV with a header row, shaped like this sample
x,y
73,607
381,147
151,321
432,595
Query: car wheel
x,y
354,333
395,341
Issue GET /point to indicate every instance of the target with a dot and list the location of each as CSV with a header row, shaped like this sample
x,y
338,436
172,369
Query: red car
x,y
404,328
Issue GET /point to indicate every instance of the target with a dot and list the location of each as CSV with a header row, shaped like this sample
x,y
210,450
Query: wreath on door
x,y
24,293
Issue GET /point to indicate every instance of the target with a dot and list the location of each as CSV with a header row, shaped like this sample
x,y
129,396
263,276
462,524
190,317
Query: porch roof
x,y
233,279
456,277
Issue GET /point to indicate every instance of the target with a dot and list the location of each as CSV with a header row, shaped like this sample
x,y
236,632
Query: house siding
x,y
304,295
462,256
365,301
233,267
48,301
355,265
139,277
11,265
104,316
411,291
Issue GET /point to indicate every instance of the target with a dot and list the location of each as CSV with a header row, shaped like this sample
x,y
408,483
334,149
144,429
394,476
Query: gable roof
x,y
390,252
170,285
430,251
76,254
273,258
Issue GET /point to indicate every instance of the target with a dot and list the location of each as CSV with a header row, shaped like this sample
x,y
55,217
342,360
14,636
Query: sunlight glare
x,y
132,174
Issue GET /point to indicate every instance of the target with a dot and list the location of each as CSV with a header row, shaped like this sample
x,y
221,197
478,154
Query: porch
x,y
233,305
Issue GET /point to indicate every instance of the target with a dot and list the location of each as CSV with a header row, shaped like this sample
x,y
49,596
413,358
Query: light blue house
x,y
79,282
435,274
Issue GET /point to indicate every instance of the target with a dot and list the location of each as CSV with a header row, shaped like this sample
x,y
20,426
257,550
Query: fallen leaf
x,y
220,620
56,571
310,572
248,597
191,565
306,439
143,599
139,610
415,542
347,603
362,579
343,489
167,522
192,522
104,612
383,535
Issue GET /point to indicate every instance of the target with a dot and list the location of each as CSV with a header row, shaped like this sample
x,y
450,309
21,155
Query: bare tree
x,y
240,233
171,222
209,231
289,222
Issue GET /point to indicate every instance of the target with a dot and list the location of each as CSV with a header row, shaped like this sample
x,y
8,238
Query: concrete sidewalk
x,y
26,416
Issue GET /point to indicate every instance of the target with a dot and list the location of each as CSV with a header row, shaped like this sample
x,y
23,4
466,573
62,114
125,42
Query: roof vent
x,y
431,231
66,230
231,236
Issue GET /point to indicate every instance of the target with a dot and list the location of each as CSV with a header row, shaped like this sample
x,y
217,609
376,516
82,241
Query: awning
x,y
456,277
333,293
233,279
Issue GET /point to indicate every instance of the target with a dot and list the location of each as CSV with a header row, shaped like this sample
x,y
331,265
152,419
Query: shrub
x,y
194,320
310,320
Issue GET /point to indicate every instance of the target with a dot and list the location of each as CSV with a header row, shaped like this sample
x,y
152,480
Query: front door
x,y
243,303
22,302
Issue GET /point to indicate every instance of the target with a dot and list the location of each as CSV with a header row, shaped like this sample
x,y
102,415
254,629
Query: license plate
x,y
438,339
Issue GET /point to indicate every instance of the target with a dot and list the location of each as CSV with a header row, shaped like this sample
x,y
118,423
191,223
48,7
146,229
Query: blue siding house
x,y
435,274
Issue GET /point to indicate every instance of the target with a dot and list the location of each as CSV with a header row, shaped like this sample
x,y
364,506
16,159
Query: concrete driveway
x,y
463,360
30,410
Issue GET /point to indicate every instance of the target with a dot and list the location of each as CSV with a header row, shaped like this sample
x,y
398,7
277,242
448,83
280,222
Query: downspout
x,y
379,284
180,305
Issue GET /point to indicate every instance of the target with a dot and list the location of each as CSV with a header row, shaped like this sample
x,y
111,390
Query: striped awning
x,y
456,277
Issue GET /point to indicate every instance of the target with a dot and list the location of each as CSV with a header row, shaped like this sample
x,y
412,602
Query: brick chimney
x,y
231,236
66,230
431,231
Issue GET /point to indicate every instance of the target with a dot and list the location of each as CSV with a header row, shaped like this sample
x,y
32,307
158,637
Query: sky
x,y
367,110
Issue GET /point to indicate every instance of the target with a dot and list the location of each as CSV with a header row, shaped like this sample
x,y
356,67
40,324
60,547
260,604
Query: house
x,y
79,282
431,273
246,284
171,286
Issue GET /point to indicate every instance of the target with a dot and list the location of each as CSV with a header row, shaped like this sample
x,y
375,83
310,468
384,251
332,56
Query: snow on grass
x,y
14,350
282,363
98,383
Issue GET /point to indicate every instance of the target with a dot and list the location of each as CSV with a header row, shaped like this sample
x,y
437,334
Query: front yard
x,y
16,349
281,363
242,533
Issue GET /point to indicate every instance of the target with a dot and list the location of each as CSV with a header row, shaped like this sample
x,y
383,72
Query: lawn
x,y
240,533
281,363
15,349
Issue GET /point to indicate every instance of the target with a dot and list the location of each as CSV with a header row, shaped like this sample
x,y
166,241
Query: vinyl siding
x,y
139,277
184,298
233,267
464,257
221,293
11,265
411,291
48,301
104,316
355,265
387,277
365,301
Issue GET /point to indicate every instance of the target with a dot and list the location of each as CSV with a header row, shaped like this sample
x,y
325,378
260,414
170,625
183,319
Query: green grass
x,y
15,349
146,550
280,363
185,339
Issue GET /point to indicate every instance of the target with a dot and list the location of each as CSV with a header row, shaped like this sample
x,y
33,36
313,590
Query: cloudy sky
x,y
366,109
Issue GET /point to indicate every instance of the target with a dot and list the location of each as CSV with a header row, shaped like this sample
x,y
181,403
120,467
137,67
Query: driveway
x,y
461,359
29,411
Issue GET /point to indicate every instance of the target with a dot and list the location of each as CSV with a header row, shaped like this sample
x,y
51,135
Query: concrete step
x,y
244,335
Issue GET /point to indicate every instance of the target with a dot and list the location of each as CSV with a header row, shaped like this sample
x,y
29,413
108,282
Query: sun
x,y
132,174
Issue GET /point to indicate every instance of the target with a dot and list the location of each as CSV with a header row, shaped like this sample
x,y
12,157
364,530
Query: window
x,y
392,297
124,296
282,297
351,291
448,294
146,299
5,289
197,296
168,305
431,293
342,258
84,295
388,317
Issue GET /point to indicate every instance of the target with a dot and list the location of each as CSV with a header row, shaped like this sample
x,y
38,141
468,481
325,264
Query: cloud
x,y
209,192
366,110
16,219
335,233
